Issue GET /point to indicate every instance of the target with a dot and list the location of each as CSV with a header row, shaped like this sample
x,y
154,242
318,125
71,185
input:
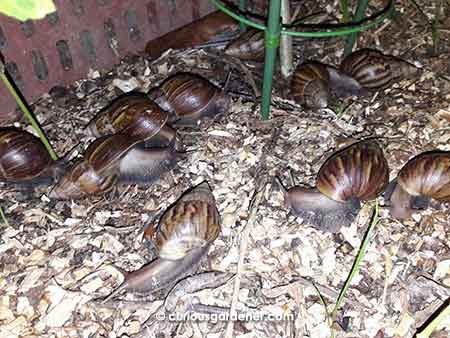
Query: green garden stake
x,y
272,41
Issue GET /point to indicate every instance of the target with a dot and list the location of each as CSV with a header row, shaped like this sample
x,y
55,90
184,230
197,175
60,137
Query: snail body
x,y
310,85
189,98
374,70
184,235
24,159
114,159
356,173
424,177
248,46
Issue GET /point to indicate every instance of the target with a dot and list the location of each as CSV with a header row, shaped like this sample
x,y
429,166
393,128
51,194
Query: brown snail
x,y
190,98
248,46
112,159
24,159
135,115
424,177
375,70
310,85
356,173
185,232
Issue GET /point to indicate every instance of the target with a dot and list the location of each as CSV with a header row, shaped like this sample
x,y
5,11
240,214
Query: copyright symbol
x,y
161,316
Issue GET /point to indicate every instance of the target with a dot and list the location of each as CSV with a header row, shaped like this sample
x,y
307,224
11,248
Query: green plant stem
x,y
242,8
357,262
359,15
27,113
428,330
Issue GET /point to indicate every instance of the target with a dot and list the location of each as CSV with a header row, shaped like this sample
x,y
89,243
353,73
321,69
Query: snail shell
x,y
134,115
423,177
24,158
112,159
356,173
248,46
374,70
190,98
184,235
310,85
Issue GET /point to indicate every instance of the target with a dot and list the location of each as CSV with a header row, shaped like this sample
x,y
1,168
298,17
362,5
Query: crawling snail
x,y
374,71
310,85
424,177
185,232
248,46
190,98
25,160
356,173
135,115
112,159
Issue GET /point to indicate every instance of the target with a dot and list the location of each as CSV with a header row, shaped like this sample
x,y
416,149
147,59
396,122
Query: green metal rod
x,y
242,8
351,39
332,30
272,41
27,113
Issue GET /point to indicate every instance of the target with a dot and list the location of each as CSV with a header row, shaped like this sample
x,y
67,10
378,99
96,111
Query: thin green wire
x,y
333,30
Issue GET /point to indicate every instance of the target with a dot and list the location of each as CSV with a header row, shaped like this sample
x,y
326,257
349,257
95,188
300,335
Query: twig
x,y
254,205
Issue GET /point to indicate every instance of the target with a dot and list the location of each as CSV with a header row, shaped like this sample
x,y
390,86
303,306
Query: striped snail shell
x,y
134,115
310,85
112,159
248,46
190,98
356,173
374,70
184,235
424,177
24,158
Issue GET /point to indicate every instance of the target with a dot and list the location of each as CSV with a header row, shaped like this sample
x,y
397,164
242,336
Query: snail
x,y
310,85
189,98
114,159
184,235
135,115
25,160
248,46
358,172
424,177
374,70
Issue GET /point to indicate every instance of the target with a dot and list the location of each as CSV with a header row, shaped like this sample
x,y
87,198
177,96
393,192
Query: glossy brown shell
x,y
374,70
135,115
191,97
427,174
81,180
310,85
248,46
105,153
22,156
359,171
192,222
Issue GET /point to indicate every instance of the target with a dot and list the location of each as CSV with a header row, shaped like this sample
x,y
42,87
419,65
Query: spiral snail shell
x,y
356,173
375,70
184,235
190,98
112,159
248,46
424,177
136,116
24,159
310,85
